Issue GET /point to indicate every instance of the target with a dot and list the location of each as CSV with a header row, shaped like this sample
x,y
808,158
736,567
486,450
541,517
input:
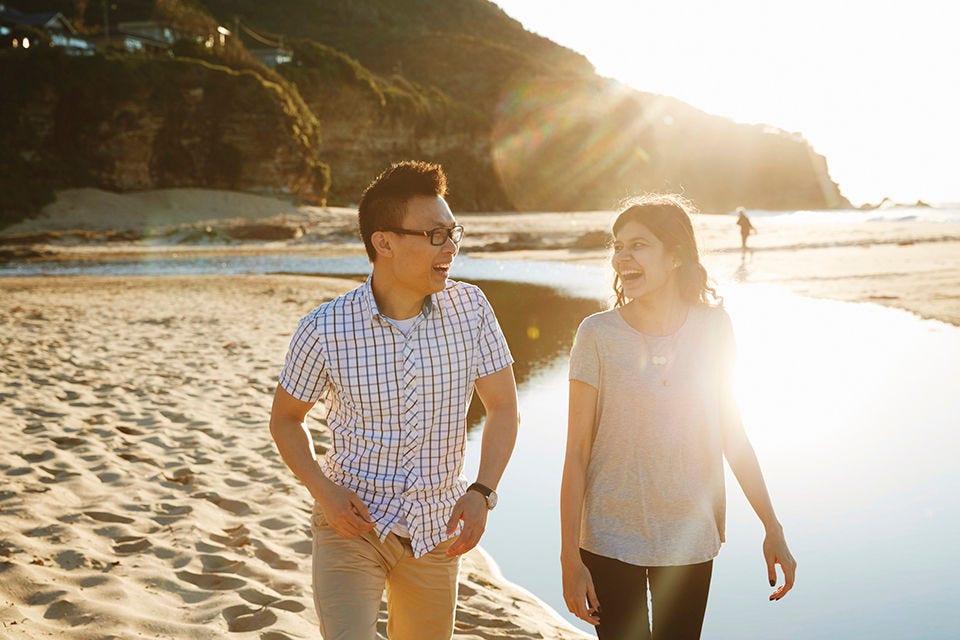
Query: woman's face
x,y
645,266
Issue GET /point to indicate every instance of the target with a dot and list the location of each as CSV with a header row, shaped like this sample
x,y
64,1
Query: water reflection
x,y
539,323
852,409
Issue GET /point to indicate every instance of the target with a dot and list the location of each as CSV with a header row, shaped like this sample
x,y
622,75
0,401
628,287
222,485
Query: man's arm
x,y
342,508
498,393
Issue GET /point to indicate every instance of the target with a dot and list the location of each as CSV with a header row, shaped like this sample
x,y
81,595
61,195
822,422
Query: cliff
x,y
519,122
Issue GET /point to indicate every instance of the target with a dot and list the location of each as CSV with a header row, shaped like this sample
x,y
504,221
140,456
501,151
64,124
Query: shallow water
x,y
852,409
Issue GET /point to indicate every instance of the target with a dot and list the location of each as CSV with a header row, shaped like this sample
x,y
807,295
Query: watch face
x,y
492,500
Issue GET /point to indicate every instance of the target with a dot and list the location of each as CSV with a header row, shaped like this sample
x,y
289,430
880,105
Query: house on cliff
x,y
17,27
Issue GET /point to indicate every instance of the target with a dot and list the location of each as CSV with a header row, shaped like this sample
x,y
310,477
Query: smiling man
x,y
397,361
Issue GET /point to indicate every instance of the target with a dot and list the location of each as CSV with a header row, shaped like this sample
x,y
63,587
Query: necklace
x,y
661,359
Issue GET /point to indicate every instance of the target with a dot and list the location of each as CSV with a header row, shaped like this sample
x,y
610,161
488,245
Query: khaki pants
x,y
349,575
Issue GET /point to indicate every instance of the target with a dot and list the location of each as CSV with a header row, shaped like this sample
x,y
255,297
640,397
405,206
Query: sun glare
x,y
869,84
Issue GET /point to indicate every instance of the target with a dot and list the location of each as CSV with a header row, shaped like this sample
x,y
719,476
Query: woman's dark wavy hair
x,y
667,216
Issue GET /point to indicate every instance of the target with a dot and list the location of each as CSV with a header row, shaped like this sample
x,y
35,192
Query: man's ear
x,y
381,244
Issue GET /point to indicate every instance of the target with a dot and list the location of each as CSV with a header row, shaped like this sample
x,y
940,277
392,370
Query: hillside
x,y
519,122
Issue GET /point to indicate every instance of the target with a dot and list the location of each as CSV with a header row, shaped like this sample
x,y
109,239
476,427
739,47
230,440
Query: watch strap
x,y
482,488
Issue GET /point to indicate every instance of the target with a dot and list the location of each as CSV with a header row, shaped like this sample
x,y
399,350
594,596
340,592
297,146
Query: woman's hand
x,y
578,591
775,552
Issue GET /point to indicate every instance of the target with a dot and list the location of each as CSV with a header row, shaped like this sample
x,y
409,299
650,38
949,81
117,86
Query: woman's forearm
x,y
746,468
572,490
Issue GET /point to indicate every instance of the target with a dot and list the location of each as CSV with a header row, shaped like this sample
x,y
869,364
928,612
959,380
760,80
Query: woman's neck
x,y
658,316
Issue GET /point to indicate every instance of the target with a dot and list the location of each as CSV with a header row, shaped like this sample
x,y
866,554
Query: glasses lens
x,y
439,235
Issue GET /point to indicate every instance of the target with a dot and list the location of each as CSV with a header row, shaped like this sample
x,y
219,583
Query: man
x,y
397,361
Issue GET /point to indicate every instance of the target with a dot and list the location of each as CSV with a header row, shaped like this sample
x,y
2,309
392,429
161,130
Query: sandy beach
x,y
142,494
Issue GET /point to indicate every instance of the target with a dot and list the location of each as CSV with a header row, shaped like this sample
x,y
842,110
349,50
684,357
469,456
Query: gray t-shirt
x,y
654,487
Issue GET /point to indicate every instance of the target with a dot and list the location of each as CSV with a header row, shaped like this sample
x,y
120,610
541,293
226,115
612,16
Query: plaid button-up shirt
x,y
397,404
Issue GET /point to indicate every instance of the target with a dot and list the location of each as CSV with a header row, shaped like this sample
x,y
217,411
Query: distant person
x,y
746,228
652,415
397,361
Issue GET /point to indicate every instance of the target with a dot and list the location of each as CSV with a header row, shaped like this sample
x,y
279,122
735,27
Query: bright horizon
x,y
871,85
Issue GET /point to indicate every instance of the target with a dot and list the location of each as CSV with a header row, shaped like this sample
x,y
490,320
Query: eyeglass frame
x,y
432,233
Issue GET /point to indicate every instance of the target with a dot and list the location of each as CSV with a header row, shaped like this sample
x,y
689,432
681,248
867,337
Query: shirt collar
x,y
370,302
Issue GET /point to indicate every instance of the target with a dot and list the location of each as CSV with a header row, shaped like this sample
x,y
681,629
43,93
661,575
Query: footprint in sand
x,y
130,431
243,618
45,414
219,564
170,513
43,597
68,442
174,416
59,475
238,536
68,612
263,600
103,516
130,457
211,582
70,560
43,456
273,559
180,476
276,524
131,544
19,471
235,507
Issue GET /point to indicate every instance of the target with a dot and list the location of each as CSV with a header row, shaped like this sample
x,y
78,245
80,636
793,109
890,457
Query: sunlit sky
x,y
874,85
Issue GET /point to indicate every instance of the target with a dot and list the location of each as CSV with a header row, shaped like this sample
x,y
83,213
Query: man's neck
x,y
393,300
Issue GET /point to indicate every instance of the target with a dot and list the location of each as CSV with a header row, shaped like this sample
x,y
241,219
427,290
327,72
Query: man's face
x,y
420,266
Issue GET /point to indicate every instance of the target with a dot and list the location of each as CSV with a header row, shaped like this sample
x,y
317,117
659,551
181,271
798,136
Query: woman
x,y
651,417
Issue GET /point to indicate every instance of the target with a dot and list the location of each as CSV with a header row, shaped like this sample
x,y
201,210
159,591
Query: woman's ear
x,y
675,260
381,244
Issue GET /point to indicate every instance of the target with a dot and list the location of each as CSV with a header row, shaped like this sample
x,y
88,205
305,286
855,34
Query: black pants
x,y
678,595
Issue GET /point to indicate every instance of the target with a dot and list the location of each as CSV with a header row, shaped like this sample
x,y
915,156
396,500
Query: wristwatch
x,y
486,492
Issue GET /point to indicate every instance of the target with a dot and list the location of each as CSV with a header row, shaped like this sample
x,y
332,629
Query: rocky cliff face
x,y
143,123
518,122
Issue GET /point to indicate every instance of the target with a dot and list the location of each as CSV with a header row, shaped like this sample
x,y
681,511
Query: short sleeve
x,y
493,351
726,343
585,355
304,373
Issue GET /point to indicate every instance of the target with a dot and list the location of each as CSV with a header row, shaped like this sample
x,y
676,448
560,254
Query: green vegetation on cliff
x,y
519,122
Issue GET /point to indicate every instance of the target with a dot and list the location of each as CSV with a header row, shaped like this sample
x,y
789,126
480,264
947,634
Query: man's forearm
x,y
499,437
296,448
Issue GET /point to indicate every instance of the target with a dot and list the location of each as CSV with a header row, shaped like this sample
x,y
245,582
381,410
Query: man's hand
x,y
344,511
471,508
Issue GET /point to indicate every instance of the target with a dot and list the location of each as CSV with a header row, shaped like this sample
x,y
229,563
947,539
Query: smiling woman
x,y
652,415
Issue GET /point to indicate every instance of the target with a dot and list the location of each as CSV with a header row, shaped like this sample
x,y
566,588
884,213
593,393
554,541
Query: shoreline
x,y
922,277
847,256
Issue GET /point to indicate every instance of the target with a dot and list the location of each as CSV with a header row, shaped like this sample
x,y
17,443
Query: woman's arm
x,y
743,462
578,591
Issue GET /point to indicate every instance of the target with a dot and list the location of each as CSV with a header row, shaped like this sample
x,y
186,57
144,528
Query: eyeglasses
x,y
437,236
